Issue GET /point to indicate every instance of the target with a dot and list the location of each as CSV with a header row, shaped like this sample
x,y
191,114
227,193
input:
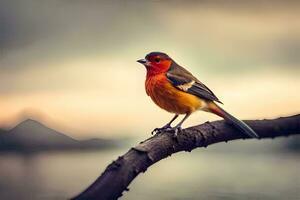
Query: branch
x,y
118,175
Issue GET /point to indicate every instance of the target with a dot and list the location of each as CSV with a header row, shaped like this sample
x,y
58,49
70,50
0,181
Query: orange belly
x,y
169,98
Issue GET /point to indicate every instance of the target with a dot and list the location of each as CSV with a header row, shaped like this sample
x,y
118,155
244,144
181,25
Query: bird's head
x,y
156,63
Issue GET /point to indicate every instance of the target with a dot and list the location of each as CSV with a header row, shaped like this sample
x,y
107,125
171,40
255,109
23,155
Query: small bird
x,y
177,91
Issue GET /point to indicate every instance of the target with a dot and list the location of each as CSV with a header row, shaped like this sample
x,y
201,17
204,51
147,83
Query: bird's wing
x,y
185,81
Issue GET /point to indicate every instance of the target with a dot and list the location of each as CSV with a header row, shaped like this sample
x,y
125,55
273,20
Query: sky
x,y
72,64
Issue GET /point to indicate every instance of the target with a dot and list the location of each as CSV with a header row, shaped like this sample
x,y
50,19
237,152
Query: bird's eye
x,y
157,60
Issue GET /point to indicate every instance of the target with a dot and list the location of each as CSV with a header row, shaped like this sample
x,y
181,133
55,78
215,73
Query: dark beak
x,y
142,61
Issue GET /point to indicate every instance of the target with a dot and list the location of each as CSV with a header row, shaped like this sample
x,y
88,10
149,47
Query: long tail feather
x,y
242,126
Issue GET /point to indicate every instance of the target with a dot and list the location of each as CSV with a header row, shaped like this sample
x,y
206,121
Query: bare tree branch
x,y
118,175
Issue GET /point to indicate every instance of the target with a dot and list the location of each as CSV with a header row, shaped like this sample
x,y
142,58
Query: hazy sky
x,y
71,64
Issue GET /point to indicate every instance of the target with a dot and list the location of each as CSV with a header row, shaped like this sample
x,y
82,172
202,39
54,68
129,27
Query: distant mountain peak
x,y
29,124
31,135
29,121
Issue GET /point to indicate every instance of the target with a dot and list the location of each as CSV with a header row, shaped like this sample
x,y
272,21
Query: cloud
x,y
42,31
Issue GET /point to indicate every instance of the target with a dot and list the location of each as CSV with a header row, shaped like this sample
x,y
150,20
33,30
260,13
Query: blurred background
x,y
72,95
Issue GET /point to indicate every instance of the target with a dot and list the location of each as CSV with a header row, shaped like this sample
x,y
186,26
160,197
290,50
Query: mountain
x,y
32,136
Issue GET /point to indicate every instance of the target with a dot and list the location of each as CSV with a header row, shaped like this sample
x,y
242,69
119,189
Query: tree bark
x,y
119,174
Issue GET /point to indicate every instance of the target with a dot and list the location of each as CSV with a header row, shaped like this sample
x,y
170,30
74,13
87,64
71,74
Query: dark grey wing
x,y
185,81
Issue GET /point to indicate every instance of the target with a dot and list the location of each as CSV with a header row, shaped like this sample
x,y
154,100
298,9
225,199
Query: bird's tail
x,y
242,126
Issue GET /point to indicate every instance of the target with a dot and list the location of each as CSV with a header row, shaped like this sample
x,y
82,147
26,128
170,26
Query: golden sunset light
x,y
88,89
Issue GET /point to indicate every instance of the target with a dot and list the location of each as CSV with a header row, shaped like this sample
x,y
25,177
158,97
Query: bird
x,y
178,91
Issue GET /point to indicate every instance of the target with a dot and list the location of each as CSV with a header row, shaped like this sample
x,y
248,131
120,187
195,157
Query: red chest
x,y
155,84
166,96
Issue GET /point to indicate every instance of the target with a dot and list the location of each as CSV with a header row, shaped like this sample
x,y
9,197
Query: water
x,y
202,174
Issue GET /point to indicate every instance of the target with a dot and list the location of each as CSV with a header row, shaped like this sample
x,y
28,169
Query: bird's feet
x,y
168,128
165,128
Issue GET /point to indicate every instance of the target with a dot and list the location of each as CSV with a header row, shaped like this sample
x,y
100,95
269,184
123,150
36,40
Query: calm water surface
x,y
202,174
